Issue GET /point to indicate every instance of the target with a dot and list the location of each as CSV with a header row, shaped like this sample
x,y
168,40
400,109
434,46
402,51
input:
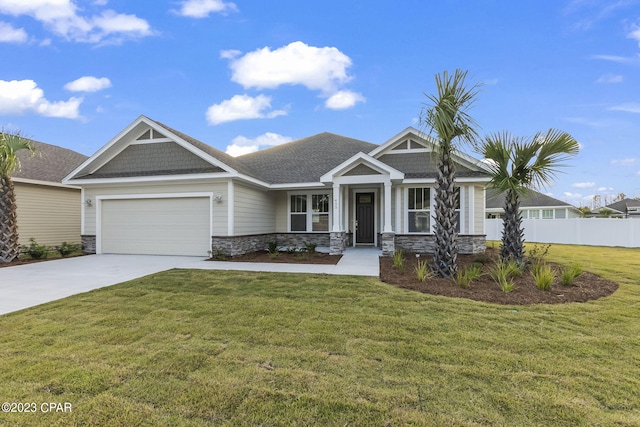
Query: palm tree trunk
x,y
9,247
512,232
445,258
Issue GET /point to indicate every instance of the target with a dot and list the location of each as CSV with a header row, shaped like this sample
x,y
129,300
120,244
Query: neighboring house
x,y
47,210
533,205
154,190
625,208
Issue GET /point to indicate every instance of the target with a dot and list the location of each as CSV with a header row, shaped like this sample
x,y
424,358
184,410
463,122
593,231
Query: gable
x,y
423,165
160,158
361,169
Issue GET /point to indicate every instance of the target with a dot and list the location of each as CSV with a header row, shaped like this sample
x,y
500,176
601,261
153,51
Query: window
x,y
419,209
534,214
561,213
547,213
305,216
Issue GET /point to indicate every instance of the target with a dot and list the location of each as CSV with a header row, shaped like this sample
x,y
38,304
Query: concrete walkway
x,y
29,285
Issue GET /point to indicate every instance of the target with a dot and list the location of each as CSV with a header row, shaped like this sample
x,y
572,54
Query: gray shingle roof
x,y
623,205
49,163
303,160
424,165
495,200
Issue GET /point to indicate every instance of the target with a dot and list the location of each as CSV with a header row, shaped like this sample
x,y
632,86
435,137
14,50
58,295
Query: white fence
x,y
575,231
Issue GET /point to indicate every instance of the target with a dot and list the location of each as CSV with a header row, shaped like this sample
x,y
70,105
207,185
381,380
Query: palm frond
x,y
10,144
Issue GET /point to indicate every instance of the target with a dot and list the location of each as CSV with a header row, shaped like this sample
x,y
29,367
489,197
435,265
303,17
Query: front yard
x,y
201,348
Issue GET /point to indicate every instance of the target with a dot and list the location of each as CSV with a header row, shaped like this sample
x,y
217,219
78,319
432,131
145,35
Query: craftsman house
x,y
155,190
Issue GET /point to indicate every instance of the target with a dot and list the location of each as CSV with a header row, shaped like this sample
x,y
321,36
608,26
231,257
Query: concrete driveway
x,y
28,285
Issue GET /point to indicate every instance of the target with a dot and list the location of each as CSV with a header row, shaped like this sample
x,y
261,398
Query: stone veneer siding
x,y
425,244
88,244
238,245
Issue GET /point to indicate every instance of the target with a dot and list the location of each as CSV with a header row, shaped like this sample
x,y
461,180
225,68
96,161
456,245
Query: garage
x,y
155,226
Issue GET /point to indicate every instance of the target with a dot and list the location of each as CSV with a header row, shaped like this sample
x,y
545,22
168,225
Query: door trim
x,y
376,208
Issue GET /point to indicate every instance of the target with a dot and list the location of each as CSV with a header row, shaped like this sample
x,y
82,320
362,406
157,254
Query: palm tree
x,y
10,144
446,115
521,164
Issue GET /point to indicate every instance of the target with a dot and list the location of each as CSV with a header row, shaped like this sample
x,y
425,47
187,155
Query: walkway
x,y
29,285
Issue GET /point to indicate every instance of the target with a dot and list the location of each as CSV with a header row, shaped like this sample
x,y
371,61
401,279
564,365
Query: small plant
x,y
538,253
35,250
543,276
501,274
66,249
481,259
310,247
568,274
218,254
272,247
398,260
423,271
465,276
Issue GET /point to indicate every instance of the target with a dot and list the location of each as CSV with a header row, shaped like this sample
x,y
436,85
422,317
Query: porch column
x,y
337,208
387,208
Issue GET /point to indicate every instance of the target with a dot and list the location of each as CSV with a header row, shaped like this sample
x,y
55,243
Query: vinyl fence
x,y
575,231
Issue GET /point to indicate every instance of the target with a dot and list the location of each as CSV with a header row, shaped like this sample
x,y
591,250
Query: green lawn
x,y
202,348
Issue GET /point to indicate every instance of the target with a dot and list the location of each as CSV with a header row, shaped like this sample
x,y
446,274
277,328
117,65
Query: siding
x,y
51,215
254,211
479,200
220,209
281,212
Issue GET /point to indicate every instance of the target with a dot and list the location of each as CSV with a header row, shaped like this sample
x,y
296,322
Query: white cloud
x,y
626,162
605,189
619,59
343,99
629,107
583,184
635,34
88,84
317,68
9,34
610,78
241,107
61,17
202,8
243,145
24,96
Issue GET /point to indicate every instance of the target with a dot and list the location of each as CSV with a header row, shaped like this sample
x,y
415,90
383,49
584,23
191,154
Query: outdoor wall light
x,y
88,202
217,198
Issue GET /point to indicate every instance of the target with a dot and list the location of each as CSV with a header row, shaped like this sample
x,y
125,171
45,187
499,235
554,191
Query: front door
x,y
365,218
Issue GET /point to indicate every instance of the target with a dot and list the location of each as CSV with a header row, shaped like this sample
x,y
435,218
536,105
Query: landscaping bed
x,y
289,257
587,286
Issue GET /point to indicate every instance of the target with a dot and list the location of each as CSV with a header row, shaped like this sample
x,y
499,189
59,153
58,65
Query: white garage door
x,y
163,226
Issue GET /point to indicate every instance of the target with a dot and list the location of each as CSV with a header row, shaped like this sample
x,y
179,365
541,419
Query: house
x,y
155,190
533,205
46,209
625,208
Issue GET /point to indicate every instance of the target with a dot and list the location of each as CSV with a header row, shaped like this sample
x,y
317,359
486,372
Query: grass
x,y
199,348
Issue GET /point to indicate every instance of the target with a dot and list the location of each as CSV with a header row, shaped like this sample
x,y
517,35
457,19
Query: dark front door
x,y
365,218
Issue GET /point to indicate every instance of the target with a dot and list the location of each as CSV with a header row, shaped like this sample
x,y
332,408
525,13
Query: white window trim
x,y
309,213
432,195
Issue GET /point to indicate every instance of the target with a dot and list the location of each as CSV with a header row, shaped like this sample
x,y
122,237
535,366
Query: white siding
x,y
51,215
254,211
281,211
479,207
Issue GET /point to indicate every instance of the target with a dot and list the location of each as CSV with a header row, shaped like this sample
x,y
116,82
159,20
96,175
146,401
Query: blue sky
x,y
250,74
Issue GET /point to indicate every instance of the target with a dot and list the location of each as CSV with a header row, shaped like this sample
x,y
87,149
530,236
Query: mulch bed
x,y
586,286
285,257
31,261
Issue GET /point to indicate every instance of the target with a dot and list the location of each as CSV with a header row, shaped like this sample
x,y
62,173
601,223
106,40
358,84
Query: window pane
x,y
547,213
419,199
419,222
457,203
298,222
320,222
412,198
320,203
299,203
534,214
561,214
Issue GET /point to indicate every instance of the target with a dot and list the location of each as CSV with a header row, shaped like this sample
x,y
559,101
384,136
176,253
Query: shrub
x,y
35,250
465,276
218,254
568,274
538,253
66,249
543,275
398,260
310,247
272,247
501,274
423,271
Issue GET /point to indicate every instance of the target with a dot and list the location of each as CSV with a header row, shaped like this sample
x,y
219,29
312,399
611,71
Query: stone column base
x,y
88,244
338,242
388,243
